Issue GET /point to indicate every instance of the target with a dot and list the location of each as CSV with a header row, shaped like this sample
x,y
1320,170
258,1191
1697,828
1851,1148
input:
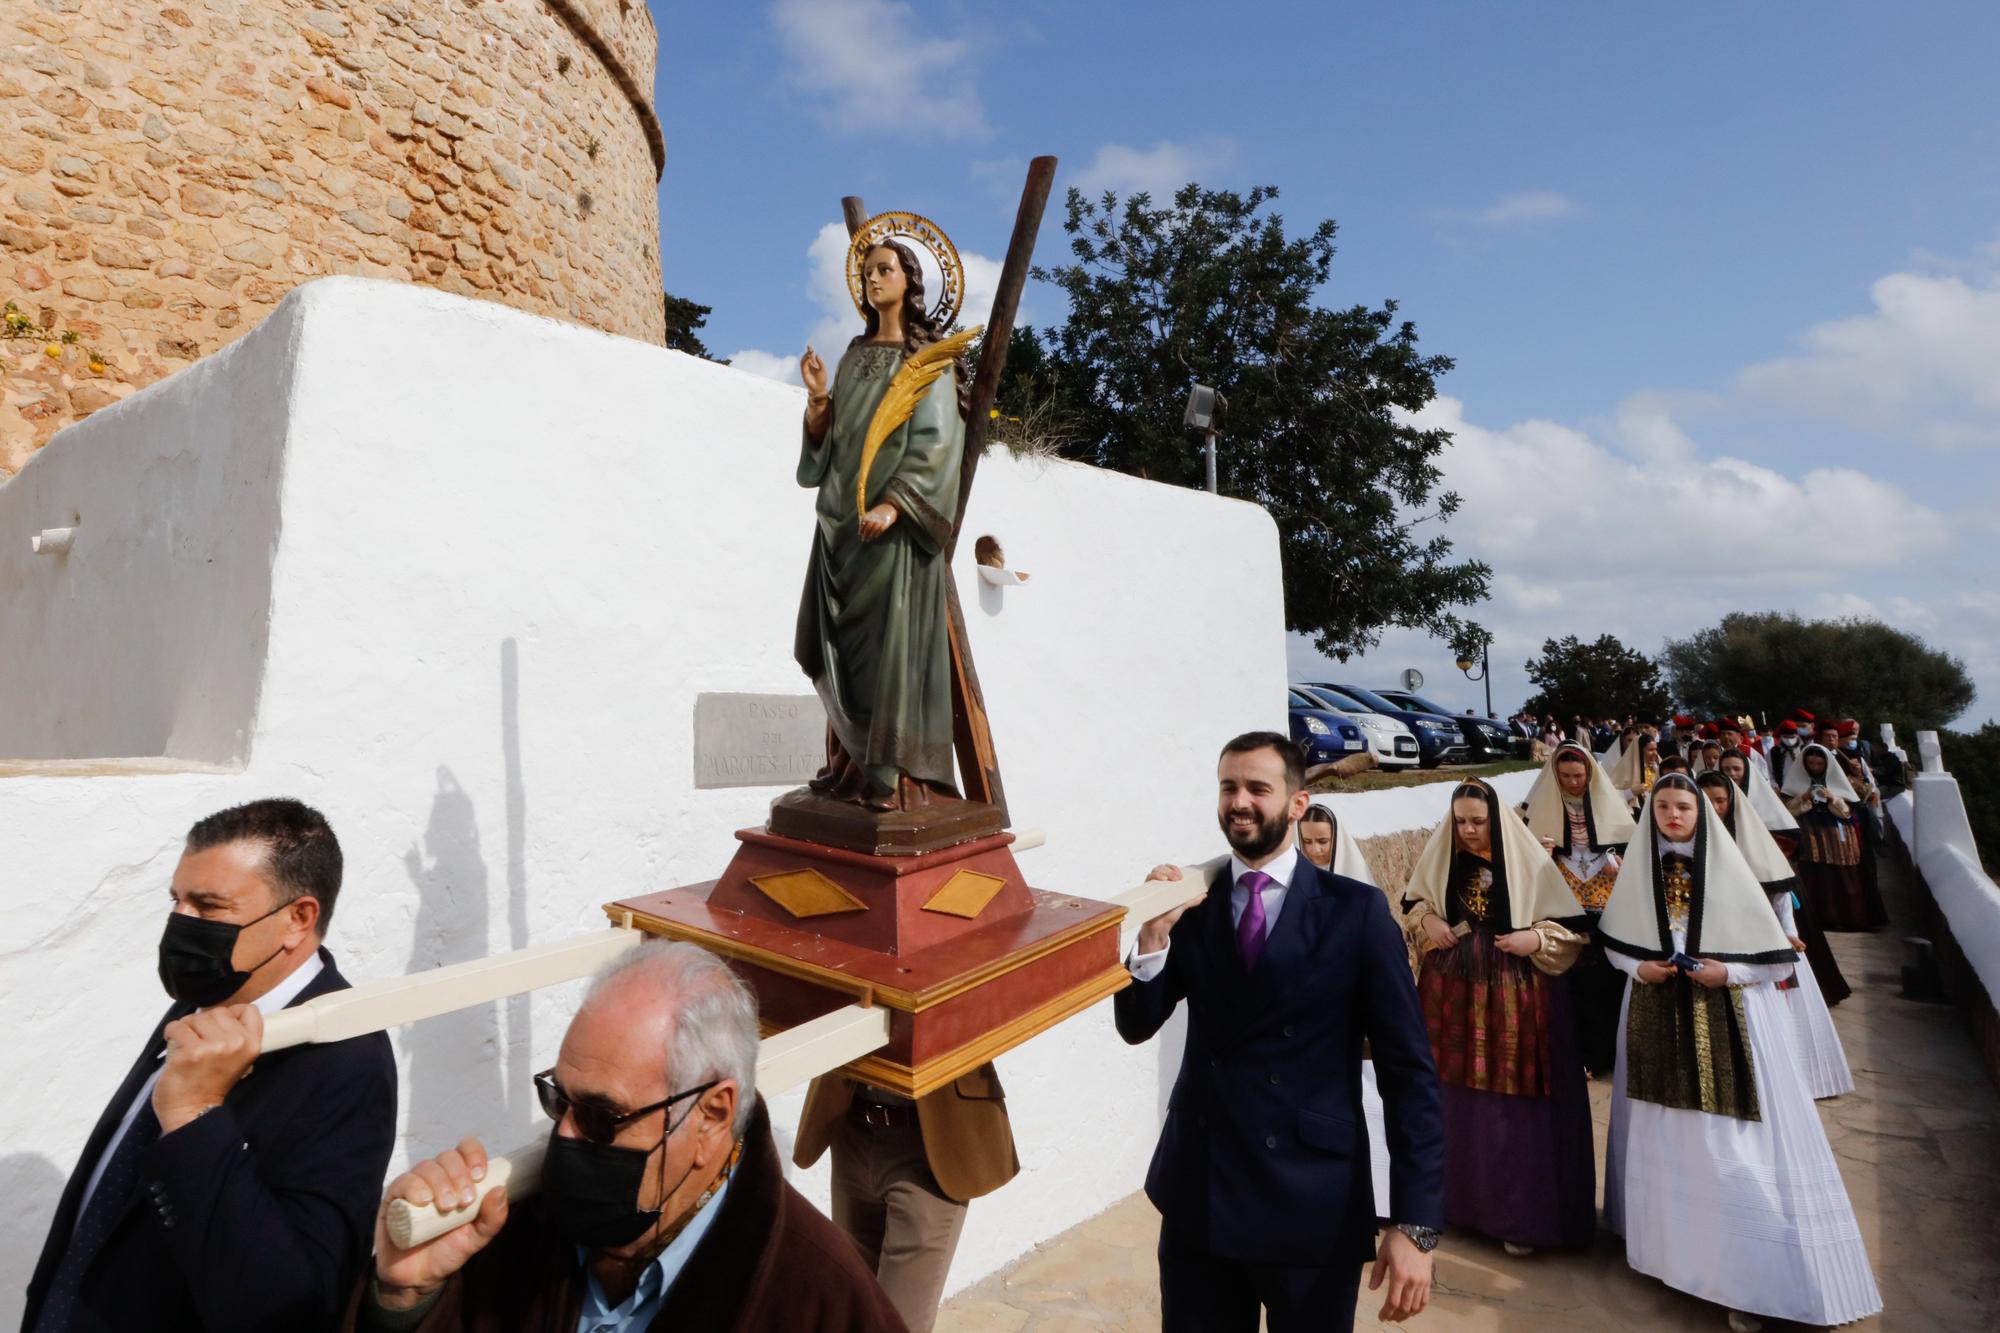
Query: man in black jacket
x,y
1261,1174
208,1199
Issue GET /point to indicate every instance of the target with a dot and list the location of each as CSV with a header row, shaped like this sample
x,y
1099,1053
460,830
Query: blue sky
x,y
1722,281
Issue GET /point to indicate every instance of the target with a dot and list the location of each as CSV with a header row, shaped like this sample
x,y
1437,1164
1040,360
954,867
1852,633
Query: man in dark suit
x,y
207,1199
1261,1175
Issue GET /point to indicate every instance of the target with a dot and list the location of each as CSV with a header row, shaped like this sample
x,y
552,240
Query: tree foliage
x,y
1768,663
684,321
1602,679
1974,759
1209,289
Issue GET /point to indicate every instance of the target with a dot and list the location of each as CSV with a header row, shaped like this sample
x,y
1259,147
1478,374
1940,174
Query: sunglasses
x,y
595,1122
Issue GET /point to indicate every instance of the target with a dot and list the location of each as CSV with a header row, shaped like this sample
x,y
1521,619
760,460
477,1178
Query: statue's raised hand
x,y
812,372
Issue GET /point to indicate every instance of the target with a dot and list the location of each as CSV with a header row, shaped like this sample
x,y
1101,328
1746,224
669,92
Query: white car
x,y
1390,739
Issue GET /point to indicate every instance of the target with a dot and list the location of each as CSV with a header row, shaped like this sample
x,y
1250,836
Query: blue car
x,y
1439,739
1321,734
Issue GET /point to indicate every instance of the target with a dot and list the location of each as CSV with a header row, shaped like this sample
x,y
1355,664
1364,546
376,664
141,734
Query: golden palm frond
x,y
900,402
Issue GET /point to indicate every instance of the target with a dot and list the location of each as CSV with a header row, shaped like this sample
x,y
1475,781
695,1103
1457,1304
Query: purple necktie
x,y
1250,927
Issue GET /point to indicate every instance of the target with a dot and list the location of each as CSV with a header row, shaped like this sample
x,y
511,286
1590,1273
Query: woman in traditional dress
x,y
1718,1173
1831,845
1764,801
1499,925
1821,1058
1637,768
1577,813
1325,841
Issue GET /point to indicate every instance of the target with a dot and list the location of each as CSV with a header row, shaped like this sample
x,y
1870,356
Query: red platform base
x,y
968,958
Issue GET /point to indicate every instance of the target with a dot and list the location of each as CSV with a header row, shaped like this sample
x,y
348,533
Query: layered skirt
x,y
1836,873
1520,1161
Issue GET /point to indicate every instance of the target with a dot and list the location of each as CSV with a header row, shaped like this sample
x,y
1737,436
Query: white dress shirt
x,y
1146,966
270,1002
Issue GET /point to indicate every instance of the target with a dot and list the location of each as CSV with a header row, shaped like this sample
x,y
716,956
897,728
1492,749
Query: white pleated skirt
x,y
1378,1137
1750,1214
1822,1059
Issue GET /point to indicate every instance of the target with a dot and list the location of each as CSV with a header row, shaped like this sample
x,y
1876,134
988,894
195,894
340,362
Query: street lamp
x,y
1205,407
1485,671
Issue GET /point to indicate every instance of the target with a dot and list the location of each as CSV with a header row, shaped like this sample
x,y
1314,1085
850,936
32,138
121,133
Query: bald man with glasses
x,y
662,1203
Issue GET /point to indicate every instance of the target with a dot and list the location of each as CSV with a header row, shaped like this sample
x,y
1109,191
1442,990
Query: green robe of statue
x,y
872,629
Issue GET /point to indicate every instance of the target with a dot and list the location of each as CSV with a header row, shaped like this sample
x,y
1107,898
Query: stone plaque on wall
x,y
758,740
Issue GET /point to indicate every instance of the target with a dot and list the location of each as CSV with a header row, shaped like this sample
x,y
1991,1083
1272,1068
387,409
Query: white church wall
x,y
472,569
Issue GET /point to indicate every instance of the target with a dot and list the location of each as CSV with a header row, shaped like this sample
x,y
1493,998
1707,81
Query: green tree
x,y
1209,289
1602,679
1768,663
1974,759
684,320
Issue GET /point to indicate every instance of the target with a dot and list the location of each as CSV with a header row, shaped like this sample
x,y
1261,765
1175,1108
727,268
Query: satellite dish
x,y
1413,679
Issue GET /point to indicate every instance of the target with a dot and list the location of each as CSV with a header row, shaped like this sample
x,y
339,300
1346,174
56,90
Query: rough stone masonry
x,y
168,173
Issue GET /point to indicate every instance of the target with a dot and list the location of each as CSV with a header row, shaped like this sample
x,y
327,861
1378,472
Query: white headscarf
x,y
1612,754
1629,773
1798,781
1347,857
1759,848
1730,917
1536,890
1764,798
1610,819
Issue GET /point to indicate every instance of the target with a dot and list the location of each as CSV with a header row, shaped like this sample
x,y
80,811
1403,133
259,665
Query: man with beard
x,y
1261,1174
662,1203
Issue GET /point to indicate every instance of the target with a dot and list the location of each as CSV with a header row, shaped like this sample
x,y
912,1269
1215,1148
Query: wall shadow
x,y
519,1011
456,1079
32,1186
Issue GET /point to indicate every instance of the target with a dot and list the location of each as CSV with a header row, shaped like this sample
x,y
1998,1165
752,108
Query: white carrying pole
x,y
785,1060
386,1004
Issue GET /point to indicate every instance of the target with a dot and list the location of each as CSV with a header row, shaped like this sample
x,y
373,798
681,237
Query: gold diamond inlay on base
x,y
806,893
965,894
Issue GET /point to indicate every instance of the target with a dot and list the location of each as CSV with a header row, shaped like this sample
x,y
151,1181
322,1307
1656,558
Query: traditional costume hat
x,y
1523,870
1848,727
1729,917
1347,857
1608,819
1798,781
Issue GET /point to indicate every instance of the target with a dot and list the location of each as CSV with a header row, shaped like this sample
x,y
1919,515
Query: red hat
x,y
1726,724
1803,716
1682,720
1849,727
1709,731
1790,726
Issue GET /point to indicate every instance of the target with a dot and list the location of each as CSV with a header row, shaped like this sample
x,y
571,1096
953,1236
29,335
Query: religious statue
x,y
884,445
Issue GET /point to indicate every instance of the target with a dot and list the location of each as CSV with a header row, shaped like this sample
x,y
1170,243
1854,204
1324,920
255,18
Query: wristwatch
x,y
1424,1238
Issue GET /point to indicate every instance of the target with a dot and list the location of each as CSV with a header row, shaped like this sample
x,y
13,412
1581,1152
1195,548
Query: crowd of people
x,y
1362,1069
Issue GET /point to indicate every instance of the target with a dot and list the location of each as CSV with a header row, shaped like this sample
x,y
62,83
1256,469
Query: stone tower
x,y
168,173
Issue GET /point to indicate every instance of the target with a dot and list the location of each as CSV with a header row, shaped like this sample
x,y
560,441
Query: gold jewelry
x,y
909,227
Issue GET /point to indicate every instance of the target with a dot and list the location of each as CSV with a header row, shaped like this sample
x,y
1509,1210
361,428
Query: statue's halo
x,y
919,231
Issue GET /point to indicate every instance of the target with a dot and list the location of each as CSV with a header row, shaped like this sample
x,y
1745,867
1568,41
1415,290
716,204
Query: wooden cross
x,y
972,735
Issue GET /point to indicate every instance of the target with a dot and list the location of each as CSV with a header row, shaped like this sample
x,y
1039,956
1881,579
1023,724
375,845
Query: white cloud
x,y
865,63
1158,170
1921,365
836,321
1524,206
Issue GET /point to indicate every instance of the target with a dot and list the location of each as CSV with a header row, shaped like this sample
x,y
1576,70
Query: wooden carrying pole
x,y
972,733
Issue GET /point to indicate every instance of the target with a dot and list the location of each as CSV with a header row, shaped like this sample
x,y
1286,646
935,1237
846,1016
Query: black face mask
x,y
195,958
590,1191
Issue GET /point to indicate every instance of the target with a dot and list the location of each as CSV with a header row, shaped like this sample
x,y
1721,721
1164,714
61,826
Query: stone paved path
x,y
1918,1142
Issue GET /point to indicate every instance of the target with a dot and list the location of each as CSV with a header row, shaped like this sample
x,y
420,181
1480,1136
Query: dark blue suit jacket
x,y
1264,1155
259,1214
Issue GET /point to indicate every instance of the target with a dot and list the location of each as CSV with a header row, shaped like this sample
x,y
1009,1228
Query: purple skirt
x,y
1524,1169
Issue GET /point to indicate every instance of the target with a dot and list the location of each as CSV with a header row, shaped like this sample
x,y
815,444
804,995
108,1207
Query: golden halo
x,y
910,227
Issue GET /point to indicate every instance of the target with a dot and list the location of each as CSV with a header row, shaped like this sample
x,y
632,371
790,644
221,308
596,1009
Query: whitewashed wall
x,y
455,574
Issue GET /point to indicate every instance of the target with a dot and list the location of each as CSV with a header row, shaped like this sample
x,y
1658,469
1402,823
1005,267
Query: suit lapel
x,y
1219,933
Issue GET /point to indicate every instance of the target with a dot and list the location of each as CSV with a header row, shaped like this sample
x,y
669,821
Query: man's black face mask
x,y
195,956
590,1191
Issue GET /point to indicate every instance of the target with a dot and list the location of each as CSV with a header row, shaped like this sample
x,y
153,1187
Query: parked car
x,y
1393,743
1322,734
1439,739
1489,740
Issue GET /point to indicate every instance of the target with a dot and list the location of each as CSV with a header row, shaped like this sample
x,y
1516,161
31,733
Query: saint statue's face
x,y
1472,826
1675,812
882,277
1316,841
1719,798
1573,776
